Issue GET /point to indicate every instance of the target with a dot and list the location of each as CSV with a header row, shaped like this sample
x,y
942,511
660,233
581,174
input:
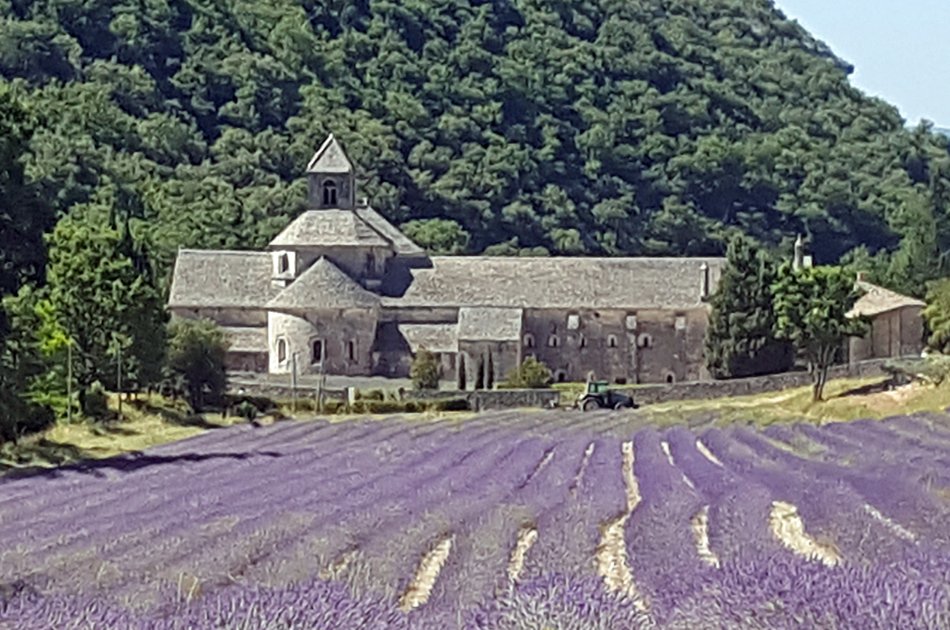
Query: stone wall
x,y
702,390
483,400
542,398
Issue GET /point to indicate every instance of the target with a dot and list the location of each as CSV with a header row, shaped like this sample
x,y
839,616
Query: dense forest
x,y
564,127
580,126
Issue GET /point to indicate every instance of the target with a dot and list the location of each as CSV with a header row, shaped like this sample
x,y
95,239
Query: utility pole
x,y
118,377
293,383
69,381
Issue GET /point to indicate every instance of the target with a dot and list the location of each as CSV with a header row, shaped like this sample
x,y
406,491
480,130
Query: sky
x,y
900,49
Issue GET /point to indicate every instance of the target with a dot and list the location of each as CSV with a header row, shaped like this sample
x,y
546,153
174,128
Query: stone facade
x,y
895,333
341,291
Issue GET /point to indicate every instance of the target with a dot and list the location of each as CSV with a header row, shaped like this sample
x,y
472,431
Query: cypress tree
x,y
741,339
490,372
480,373
462,376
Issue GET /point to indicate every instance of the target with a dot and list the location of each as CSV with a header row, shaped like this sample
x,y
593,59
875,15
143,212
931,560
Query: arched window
x,y
611,341
283,263
670,378
329,193
644,341
351,350
554,341
529,340
560,376
281,350
316,351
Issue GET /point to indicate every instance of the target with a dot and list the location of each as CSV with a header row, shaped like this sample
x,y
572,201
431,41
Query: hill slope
x,y
600,126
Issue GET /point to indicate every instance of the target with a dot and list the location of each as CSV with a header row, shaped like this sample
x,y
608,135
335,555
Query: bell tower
x,y
331,178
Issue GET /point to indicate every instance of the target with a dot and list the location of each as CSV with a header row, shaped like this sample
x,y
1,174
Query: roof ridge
x,y
587,258
241,252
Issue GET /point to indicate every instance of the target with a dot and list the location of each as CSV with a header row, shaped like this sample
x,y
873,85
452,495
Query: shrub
x,y
370,394
385,406
933,369
334,406
246,410
425,371
96,404
531,374
450,404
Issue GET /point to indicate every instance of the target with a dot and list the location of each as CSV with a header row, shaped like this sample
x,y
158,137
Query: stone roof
x,y
323,286
489,324
432,337
245,338
226,279
621,283
330,158
402,245
877,300
328,228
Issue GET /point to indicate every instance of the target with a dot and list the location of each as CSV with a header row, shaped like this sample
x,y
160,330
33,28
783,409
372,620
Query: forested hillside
x,y
584,126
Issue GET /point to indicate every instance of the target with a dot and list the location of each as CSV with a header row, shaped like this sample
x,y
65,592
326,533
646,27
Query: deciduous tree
x,y
937,316
811,310
98,296
196,351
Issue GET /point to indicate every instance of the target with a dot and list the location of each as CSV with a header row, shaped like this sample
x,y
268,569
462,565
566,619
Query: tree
x,y
937,315
23,220
439,237
98,296
196,351
462,377
741,337
480,373
425,372
531,374
811,310
490,372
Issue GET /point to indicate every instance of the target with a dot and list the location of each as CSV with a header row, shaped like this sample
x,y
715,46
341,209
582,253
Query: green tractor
x,y
597,395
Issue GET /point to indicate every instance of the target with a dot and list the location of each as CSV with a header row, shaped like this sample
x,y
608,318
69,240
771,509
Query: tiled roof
x,y
328,228
878,300
330,158
246,338
323,286
401,243
489,324
225,279
621,283
432,337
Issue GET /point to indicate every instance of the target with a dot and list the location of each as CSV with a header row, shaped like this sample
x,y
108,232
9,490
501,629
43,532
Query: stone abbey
x,y
342,291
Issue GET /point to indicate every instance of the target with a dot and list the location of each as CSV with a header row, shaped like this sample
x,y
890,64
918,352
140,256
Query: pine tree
x,y
741,339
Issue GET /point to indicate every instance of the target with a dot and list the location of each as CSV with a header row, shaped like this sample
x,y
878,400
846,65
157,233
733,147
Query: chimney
x,y
799,260
862,276
704,281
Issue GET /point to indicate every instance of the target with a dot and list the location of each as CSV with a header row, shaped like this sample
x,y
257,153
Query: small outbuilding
x,y
896,324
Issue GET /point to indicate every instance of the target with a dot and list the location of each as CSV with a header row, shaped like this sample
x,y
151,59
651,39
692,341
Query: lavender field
x,y
507,520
